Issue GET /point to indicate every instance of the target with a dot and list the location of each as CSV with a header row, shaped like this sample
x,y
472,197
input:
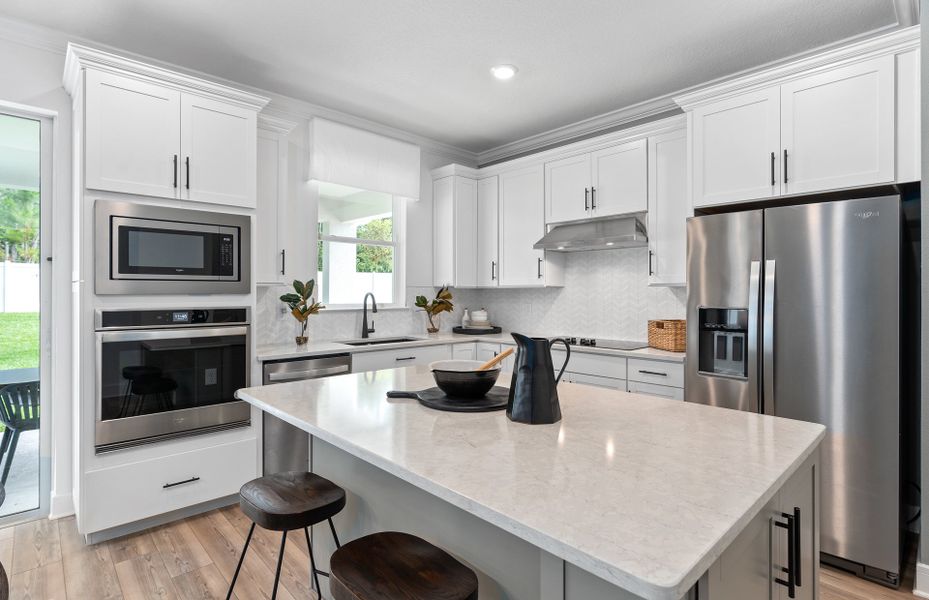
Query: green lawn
x,y
19,340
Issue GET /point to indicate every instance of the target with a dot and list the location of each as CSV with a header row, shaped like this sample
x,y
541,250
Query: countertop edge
x,y
631,583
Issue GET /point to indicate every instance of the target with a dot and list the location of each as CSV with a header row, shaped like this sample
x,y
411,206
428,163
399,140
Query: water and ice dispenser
x,y
723,341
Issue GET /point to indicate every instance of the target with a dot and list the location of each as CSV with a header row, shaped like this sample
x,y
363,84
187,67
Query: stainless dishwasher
x,y
285,447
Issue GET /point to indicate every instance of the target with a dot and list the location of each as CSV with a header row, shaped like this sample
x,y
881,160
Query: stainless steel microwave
x,y
145,249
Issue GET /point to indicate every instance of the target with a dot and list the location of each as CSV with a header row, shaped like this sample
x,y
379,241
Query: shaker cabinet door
x,y
270,255
567,189
218,147
522,224
488,228
668,209
736,149
132,136
619,179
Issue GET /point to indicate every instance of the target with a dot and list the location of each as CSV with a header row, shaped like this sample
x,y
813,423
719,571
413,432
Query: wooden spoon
x,y
493,362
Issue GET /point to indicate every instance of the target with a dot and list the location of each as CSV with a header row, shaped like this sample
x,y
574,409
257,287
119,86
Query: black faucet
x,y
365,330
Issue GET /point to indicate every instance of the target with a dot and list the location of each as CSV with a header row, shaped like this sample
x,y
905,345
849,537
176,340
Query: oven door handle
x,y
308,374
169,334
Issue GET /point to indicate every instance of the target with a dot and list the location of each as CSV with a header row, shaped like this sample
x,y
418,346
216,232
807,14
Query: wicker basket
x,y
668,334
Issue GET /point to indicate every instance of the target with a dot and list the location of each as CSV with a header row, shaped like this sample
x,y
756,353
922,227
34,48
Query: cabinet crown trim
x,y
896,42
80,57
275,124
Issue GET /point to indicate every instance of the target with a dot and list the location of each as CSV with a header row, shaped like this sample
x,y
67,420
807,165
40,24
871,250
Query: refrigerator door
x,y
724,254
835,292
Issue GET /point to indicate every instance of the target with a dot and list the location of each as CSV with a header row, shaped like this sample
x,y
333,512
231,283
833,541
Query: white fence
x,y
19,287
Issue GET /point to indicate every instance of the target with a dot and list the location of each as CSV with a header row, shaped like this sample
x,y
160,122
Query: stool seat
x,y
394,566
290,500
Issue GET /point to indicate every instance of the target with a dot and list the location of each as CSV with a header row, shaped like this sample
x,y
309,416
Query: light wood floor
x,y
194,559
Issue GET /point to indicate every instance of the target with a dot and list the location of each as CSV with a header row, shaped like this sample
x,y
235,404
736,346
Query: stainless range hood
x,y
599,234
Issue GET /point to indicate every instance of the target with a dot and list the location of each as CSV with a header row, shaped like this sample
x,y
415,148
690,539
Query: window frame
x,y
398,243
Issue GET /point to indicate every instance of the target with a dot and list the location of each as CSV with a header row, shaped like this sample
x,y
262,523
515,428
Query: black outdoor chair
x,y
19,412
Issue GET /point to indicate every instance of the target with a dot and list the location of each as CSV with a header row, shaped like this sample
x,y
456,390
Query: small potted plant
x,y
302,305
440,304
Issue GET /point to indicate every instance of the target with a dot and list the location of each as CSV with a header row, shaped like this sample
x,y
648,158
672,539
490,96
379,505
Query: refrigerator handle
x,y
754,326
767,345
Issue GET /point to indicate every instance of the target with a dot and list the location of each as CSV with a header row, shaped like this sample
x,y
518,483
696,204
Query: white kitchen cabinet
x,y
594,380
656,371
455,231
401,357
271,204
155,140
668,209
651,389
837,128
908,117
488,232
131,135
619,179
218,148
567,188
485,351
736,148
522,224
607,182
464,352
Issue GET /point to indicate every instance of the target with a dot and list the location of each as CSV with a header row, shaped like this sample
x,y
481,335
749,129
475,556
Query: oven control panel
x,y
131,319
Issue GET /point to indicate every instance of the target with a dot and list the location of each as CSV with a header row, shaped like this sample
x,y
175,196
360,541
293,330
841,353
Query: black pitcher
x,y
534,388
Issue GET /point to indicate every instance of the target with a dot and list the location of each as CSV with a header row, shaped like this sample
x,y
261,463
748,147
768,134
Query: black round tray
x,y
489,331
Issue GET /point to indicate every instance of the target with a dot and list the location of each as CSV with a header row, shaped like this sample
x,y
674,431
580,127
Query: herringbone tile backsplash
x,y
606,295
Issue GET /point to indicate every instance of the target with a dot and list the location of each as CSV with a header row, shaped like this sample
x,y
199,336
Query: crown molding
x,y
897,41
275,124
585,128
84,57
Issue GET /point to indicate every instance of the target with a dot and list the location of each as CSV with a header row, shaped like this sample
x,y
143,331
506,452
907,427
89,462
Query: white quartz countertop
x,y
321,348
643,492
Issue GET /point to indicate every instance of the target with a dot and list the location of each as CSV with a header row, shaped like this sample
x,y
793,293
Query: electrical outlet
x,y
209,376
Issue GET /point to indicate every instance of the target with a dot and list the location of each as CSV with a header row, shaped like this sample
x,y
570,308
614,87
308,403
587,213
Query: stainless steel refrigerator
x,y
795,311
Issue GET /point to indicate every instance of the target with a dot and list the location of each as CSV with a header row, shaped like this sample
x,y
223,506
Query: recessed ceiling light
x,y
609,243
504,72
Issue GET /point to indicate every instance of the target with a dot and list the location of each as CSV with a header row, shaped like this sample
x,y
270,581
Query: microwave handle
x,y
136,335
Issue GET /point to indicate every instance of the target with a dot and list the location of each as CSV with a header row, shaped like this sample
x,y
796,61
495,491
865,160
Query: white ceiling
x,y
423,65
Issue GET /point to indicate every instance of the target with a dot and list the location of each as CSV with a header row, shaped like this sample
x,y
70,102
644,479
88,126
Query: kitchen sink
x,y
375,341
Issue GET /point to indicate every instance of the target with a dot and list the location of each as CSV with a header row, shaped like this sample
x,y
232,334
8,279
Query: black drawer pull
x,y
175,170
399,358
187,166
792,555
177,483
660,374
283,260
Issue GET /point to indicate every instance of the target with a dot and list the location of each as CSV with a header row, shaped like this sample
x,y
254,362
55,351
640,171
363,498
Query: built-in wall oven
x,y
169,373
145,249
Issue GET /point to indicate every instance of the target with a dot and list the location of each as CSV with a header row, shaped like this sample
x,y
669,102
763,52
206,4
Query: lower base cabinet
x,y
403,357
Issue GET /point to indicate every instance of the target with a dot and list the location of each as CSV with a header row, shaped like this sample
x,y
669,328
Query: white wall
x,y
31,75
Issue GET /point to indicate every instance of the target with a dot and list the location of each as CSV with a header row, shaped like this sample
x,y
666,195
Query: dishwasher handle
x,y
307,374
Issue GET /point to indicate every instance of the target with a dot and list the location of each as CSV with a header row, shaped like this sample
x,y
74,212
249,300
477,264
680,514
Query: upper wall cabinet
x,y
611,181
522,224
668,209
272,207
152,132
842,119
488,232
454,201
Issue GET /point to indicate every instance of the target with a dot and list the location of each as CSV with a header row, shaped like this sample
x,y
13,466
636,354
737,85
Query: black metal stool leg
x,y
280,562
334,536
313,570
241,560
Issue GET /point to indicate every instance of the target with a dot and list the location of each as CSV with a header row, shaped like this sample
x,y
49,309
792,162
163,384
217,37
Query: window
x,y
360,246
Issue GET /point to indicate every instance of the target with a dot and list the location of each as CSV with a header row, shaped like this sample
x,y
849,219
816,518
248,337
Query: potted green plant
x,y
440,304
302,305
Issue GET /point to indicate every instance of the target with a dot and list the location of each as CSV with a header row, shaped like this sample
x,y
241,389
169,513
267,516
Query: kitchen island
x,y
629,496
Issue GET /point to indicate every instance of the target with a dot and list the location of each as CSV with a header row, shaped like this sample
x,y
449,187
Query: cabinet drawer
x,y
600,365
637,387
655,371
401,357
127,493
595,380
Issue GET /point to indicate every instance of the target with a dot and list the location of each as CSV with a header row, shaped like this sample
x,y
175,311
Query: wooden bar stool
x,y
286,502
398,566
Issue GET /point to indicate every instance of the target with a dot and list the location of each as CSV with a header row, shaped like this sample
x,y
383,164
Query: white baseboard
x,y
921,584
62,505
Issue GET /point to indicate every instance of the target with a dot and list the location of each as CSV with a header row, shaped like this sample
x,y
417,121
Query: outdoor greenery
x,y
19,225
19,340
375,259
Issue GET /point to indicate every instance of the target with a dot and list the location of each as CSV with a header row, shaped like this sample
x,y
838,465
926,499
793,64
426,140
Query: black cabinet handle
x,y
175,170
659,373
283,260
791,569
177,483
797,548
493,270
650,270
539,268
187,164
399,358
773,182
785,165
586,196
593,198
